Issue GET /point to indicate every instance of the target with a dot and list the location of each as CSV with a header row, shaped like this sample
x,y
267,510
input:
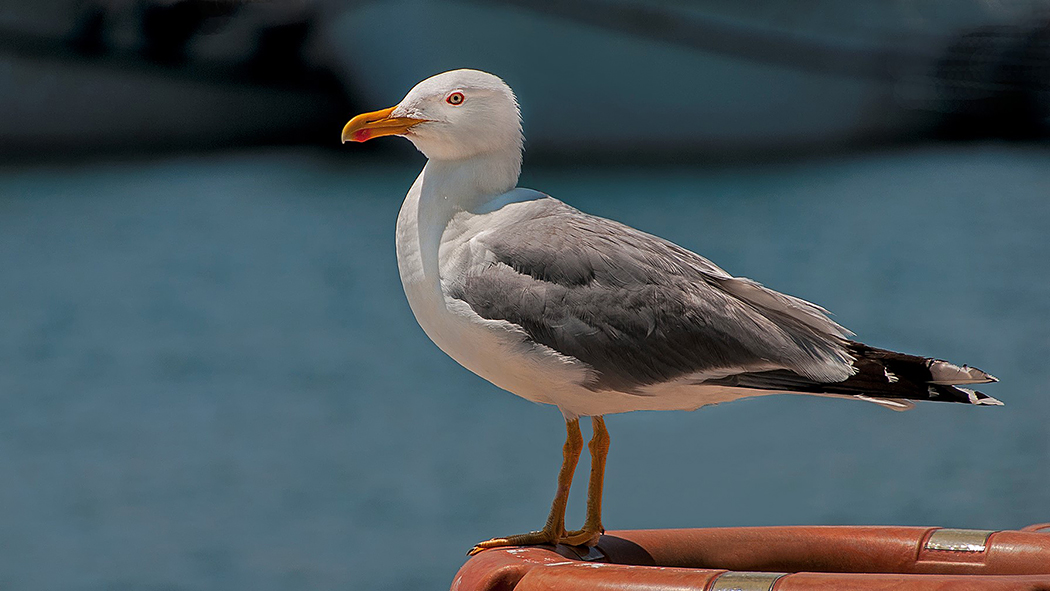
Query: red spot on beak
x,y
361,135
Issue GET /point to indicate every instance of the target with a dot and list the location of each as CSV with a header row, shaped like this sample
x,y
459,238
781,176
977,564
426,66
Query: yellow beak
x,y
377,124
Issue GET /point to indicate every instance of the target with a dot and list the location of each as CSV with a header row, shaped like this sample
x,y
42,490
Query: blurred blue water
x,y
209,377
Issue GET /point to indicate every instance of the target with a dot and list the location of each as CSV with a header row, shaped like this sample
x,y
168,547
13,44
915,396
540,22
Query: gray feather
x,y
638,309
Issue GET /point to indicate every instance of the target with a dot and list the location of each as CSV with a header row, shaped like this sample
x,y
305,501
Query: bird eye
x,y
455,98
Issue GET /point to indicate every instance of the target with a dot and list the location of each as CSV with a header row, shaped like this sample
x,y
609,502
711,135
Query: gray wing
x,y
638,309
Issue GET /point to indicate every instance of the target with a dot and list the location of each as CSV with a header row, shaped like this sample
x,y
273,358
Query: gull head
x,y
451,116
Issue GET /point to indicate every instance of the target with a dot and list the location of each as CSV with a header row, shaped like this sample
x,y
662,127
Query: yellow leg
x,y
555,527
592,526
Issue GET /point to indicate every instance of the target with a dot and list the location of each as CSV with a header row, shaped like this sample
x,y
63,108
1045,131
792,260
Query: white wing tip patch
x,y
975,399
948,374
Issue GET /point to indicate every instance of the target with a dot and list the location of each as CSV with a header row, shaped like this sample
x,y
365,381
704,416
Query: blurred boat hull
x,y
69,109
590,81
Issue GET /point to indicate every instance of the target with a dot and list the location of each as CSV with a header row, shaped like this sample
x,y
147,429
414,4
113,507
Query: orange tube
x,y
786,558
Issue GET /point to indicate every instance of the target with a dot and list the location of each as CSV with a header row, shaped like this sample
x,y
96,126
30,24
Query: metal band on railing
x,y
745,581
959,540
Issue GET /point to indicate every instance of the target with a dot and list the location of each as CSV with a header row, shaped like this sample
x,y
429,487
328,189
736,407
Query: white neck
x,y
464,184
443,189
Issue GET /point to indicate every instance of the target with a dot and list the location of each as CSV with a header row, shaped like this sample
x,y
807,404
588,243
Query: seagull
x,y
593,316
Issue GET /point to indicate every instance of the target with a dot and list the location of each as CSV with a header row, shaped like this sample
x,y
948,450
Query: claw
x,y
534,538
582,537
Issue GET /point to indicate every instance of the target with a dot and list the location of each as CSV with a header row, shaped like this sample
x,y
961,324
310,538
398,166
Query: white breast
x,y
436,246
433,247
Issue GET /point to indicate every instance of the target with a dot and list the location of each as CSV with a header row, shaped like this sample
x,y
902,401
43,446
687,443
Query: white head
x,y
451,116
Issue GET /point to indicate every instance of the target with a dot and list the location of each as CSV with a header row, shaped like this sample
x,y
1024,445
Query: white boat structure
x,y
719,77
